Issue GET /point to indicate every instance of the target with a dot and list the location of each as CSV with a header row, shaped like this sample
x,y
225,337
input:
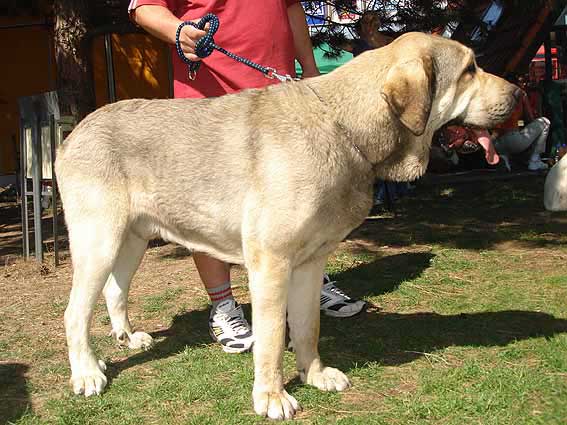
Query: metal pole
x,y
24,191
36,178
109,67
50,59
52,144
548,59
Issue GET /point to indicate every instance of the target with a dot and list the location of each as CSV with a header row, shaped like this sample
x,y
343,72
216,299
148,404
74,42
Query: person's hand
x,y
188,38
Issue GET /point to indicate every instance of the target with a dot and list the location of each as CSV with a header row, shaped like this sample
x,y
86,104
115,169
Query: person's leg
x,y
379,192
537,131
512,143
227,324
213,272
515,142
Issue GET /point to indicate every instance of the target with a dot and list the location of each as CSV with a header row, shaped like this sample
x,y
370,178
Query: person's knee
x,y
544,120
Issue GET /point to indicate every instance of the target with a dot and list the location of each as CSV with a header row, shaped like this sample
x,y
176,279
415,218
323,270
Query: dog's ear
x,y
408,91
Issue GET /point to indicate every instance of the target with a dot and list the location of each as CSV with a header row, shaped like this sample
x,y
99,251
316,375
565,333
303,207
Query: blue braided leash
x,y
206,45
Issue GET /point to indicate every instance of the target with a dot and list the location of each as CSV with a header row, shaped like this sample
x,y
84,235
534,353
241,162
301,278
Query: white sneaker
x,y
336,303
228,327
537,165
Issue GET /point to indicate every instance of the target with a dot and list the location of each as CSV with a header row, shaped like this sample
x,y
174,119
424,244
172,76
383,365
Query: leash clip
x,y
271,74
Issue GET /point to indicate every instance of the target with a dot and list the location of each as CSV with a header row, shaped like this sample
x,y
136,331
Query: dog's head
x,y
433,80
423,82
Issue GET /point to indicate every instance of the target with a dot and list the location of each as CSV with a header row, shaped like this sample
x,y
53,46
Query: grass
x,y
466,325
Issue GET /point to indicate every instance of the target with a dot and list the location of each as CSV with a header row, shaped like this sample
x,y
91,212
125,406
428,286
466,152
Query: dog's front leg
x,y
304,318
269,280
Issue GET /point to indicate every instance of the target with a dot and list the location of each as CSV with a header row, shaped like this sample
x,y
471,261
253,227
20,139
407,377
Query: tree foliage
x,y
393,17
377,20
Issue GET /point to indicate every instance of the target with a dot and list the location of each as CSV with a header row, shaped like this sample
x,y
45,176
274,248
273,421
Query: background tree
x,y
379,20
71,23
392,17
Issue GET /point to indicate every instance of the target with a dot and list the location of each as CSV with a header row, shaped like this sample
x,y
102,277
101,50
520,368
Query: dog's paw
x,y
134,340
278,406
140,340
328,379
89,381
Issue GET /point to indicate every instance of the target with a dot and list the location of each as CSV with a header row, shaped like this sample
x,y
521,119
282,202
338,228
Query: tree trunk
x,y
74,79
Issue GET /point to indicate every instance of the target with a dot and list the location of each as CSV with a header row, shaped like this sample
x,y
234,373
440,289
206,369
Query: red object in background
x,y
537,66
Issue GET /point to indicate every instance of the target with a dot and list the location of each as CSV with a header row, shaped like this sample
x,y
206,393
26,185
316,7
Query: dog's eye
x,y
471,69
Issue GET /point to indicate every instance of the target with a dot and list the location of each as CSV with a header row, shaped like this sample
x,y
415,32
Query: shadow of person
x,y
384,274
393,339
15,401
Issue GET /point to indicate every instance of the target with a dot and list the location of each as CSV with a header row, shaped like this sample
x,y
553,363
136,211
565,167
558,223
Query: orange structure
x,y
139,67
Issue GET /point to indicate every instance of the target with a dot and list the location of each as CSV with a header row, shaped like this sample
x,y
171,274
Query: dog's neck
x,y
342,127
373,137
355,124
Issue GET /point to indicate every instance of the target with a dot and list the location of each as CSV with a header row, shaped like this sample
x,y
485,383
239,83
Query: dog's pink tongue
x,y
489,152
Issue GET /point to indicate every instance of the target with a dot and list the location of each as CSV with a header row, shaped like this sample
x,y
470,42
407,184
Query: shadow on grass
x,y
394,339
470,216
14,396
387,338
177,253
187,329
384,274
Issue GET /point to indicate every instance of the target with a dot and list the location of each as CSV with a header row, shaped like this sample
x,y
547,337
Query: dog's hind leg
x,y
303,319
97,227
116,293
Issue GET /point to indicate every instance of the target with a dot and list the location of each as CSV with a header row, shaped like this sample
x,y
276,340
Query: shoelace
x,y
234,319
332,288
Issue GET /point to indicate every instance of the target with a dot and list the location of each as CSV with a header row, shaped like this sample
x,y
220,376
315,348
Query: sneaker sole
x,y
332,313
227,349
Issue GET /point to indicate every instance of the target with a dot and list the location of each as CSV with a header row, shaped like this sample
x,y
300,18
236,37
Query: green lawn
x,y
466,324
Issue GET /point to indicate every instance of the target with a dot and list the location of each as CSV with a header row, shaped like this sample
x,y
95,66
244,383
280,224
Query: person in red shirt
x,y
271,33
522,131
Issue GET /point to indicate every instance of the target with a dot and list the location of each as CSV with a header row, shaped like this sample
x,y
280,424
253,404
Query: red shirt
x,y
257,30
511,123
521,111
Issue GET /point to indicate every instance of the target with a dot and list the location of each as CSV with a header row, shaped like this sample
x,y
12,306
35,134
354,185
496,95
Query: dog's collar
x,y
364,157
316,94
348,136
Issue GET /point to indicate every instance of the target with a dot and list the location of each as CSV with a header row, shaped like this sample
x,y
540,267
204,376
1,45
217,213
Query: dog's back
x,y
137,165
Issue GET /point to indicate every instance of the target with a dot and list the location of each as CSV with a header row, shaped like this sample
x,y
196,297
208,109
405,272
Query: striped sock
x,y
220,293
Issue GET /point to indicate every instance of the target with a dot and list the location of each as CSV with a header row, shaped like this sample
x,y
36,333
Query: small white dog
x,y
555,189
